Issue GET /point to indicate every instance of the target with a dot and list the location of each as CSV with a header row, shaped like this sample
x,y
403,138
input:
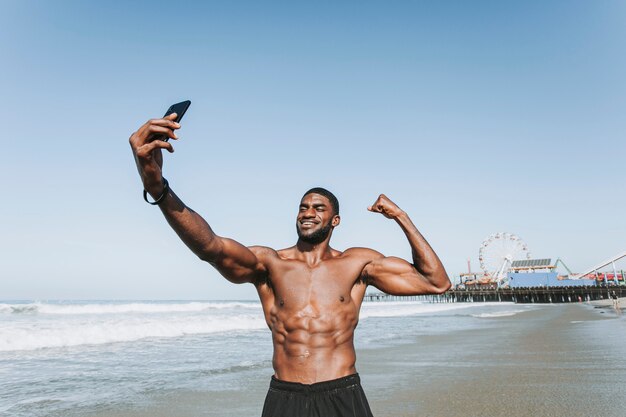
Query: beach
x,y
561,360
500,359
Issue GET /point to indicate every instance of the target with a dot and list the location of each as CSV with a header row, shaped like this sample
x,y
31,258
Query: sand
x,y
560,360
621,301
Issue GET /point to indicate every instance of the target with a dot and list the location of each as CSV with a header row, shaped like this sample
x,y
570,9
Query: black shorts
x,y
341,397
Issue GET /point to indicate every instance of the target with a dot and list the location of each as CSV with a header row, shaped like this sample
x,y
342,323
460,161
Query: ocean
x,y
60,358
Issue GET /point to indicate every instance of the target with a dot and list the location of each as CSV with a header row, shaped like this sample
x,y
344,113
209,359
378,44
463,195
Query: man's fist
x,y
386,207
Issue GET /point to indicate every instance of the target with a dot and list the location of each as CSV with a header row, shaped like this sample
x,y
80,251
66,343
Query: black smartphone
x,y
179,109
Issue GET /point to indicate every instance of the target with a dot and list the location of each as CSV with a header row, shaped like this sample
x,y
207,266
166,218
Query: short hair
x,y
324,192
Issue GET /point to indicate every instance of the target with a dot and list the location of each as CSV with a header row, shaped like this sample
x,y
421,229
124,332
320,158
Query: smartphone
x,y
179,109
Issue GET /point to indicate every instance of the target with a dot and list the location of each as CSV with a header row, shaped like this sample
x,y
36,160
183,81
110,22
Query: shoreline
x,y
555,360
609,303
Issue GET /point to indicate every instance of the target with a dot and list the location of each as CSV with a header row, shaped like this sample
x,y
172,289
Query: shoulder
x,y
263,253
364,258
262,250
365,254
264,257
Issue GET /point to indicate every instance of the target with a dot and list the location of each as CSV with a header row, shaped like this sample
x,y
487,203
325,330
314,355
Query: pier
x,y
543,295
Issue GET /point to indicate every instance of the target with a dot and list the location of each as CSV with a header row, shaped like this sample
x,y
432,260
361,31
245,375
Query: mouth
x,y
307,223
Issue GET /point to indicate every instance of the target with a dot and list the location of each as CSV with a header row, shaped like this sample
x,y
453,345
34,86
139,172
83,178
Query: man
x,y
311,293
615,300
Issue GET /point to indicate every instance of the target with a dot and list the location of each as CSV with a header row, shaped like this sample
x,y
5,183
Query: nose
x,y
308,213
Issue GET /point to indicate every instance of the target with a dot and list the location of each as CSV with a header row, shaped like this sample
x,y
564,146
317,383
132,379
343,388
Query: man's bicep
x,y
395,276
238,263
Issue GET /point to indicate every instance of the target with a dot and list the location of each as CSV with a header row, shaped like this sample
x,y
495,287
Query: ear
x,y
335,221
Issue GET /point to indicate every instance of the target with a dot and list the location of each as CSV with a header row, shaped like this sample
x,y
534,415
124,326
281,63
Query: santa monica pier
x,y
508,272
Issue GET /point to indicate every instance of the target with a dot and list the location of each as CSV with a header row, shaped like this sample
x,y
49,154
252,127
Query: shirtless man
x,y
311,293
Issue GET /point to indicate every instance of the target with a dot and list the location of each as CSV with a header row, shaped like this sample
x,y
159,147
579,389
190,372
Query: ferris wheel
x,y
497,253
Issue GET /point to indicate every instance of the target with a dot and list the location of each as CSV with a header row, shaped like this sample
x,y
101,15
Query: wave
x,y
45,325
241,367
135,307
498,314
17,337
409,308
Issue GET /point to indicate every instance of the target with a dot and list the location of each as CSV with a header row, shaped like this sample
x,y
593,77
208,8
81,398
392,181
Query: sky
x,y
474,117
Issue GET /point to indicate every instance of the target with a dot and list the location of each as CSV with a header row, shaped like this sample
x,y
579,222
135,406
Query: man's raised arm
x,y
234,261
398,277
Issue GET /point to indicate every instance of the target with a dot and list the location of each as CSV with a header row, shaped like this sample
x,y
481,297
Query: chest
x,y
329,282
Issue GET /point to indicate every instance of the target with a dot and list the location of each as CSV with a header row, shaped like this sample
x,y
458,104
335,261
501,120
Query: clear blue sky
x,y
475,117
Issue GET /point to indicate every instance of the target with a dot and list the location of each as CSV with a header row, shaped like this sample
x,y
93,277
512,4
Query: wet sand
x,y
559,360
621,303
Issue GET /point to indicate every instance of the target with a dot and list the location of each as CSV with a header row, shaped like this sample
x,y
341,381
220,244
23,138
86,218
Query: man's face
x,y
316,219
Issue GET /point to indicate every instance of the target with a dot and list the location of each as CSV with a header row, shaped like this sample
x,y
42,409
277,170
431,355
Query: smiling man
x,y
311,293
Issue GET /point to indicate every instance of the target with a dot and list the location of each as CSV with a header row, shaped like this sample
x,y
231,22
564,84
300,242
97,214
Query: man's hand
x,y
146,144
386,207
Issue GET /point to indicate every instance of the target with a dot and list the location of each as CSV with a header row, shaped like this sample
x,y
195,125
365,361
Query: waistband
x,y
343,382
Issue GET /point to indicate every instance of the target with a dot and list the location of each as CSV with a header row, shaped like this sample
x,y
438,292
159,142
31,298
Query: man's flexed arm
x,y
234,261
396,276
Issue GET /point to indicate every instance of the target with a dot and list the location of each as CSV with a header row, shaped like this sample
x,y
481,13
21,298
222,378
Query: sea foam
x,y
409,308
40,325
121,308
498,314
29,336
